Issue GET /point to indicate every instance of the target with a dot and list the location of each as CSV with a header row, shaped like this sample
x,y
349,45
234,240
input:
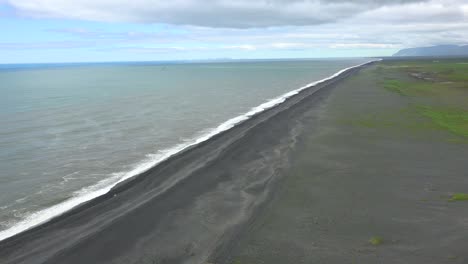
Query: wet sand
x,y
184,209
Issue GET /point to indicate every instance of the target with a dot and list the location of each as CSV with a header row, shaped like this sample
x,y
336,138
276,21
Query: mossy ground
x,y
376,241
453,70
459,197
421,88
454,120
436,92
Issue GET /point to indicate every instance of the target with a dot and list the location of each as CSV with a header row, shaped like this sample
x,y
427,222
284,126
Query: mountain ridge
x,y
438,50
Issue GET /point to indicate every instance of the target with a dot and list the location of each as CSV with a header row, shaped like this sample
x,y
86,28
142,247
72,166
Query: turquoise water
x,y
70,132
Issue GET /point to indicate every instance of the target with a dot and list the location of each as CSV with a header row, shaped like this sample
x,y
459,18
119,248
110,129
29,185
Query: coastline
x,y
170,177
46,214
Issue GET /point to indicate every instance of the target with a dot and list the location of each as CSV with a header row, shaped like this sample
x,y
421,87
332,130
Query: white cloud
x,y
364,45
241,47
445,11
289,45
464,9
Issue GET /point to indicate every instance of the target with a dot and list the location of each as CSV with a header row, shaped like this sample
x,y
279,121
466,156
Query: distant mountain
x,y
440,50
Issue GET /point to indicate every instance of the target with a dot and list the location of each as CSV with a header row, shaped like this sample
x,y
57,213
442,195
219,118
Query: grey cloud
x,y
207,13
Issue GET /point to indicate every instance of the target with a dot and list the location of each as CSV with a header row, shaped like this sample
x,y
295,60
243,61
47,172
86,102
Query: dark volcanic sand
x,y
352,180
184,209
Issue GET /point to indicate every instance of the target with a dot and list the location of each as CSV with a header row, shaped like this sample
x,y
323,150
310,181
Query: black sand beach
x,y
184,208
309,181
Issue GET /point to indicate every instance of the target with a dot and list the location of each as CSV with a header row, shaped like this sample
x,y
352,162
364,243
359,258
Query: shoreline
x,y
46,214
136,192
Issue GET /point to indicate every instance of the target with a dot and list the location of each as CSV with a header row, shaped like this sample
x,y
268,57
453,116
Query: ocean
x,y
70,132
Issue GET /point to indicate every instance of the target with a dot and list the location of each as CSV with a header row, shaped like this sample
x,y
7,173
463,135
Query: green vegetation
x,y
404,120
376,241
459,197
452,71
422,88
437,92
396,86
443,70
455,120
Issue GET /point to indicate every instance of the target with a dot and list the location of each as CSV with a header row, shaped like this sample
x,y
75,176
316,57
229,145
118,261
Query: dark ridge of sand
x,y
185,208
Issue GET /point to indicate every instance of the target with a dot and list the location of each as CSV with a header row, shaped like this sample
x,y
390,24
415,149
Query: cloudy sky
x,y
122,30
